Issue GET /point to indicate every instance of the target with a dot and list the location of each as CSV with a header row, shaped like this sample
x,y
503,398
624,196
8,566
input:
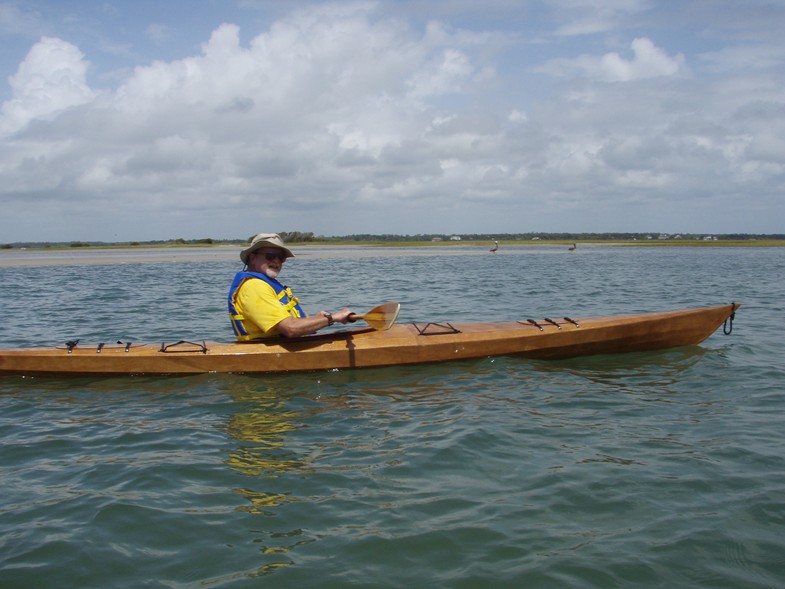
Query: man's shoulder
x,y
255,283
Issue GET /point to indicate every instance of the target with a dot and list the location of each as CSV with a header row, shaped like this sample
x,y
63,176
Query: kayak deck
x,y
362,348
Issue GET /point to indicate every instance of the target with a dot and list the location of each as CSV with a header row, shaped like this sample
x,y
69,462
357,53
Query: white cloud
x,y
517,116
648,61
443,75
50,80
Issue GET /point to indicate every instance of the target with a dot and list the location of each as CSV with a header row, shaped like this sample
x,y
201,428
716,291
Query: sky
x,y
166,119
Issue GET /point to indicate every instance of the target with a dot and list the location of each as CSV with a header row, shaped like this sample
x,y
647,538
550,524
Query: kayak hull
x,y
364,348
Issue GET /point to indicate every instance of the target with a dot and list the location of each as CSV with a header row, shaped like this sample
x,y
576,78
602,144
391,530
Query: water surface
x,y
659,469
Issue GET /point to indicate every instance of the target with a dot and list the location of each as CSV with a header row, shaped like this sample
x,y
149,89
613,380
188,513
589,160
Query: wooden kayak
x,y
368,347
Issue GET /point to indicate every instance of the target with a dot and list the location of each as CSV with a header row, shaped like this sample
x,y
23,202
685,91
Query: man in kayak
x,y
260,306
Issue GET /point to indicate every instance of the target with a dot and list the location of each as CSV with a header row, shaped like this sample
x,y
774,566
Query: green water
x,y
661,469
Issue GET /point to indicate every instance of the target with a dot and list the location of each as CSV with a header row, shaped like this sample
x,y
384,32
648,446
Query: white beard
x,y
272,273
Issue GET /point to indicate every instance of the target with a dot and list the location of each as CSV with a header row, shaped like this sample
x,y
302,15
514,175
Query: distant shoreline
x,y
60,256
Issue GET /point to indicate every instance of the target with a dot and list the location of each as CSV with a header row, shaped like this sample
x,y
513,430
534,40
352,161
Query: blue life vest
x,y
290,302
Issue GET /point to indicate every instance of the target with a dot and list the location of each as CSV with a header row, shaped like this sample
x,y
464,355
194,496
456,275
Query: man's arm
x,y
299,326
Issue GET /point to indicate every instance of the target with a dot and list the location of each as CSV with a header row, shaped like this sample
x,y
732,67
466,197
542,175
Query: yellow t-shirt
x,y
260,308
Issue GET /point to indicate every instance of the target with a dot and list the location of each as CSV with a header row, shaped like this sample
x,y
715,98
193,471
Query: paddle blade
x,y
380,318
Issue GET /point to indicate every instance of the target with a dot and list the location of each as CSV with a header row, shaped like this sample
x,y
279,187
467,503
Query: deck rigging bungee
x,y
71,345
195,347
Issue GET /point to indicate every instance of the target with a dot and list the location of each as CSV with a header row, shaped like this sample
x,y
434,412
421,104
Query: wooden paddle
x,y
380,318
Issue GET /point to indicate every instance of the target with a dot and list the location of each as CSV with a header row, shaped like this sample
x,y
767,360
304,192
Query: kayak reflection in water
x,y
260,306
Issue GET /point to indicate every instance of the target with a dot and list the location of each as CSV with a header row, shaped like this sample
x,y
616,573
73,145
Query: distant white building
x,y
455,238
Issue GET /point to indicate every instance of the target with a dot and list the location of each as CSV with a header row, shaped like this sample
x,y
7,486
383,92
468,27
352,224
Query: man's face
x,y
268,261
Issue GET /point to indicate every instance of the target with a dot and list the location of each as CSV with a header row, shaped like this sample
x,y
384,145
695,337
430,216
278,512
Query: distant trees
x,y
297,236
204,241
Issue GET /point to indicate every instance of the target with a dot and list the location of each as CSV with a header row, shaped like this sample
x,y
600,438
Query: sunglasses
x,y
269,256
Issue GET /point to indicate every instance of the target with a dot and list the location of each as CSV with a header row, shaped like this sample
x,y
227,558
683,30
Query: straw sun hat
x,y
265,240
